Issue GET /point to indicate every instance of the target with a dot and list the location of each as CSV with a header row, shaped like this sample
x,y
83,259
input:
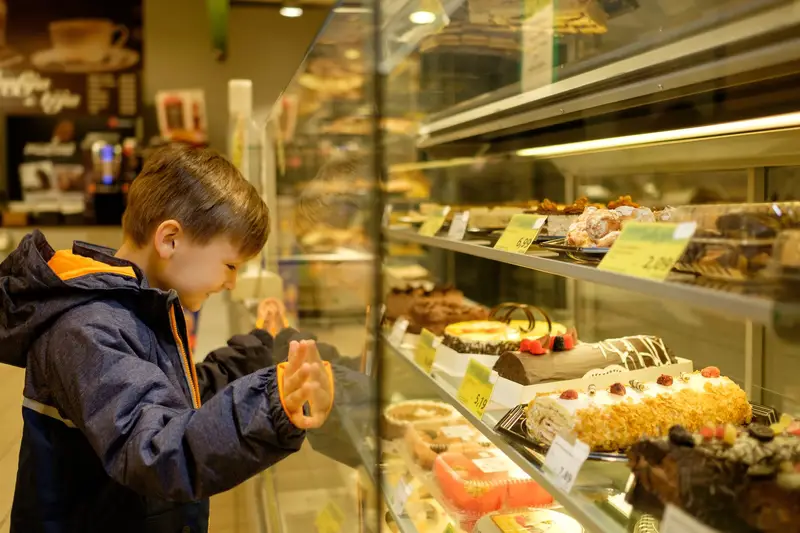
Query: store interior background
x,y
264,47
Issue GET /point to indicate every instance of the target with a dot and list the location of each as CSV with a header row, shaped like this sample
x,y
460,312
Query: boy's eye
x,y
231,267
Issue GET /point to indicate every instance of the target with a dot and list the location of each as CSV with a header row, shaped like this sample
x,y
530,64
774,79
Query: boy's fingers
x,y
295,360
293,381
295,400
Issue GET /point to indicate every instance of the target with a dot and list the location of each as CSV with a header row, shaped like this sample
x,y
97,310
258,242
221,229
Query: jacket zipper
x,y
186,358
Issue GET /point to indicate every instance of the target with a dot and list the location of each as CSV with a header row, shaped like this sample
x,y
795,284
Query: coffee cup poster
x,y
77,56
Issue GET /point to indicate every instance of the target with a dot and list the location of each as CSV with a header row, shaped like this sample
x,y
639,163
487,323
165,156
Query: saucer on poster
x,y
116,59
9,57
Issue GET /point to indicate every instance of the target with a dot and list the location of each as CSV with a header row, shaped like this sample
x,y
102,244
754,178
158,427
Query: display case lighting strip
x,y
754,125
428,165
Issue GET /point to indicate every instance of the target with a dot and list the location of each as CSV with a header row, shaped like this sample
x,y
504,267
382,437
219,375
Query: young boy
x,y
122,432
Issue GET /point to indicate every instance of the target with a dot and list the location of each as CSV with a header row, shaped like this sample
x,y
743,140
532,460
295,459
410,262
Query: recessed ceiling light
x,y
291,10
422,17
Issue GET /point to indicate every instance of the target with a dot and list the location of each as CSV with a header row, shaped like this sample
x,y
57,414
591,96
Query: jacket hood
x,y
38,285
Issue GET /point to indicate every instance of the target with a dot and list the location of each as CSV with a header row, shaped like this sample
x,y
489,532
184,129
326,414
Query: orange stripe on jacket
x,y
67,266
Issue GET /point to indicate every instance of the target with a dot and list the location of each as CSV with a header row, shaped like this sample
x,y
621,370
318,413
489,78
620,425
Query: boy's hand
x,y
306,378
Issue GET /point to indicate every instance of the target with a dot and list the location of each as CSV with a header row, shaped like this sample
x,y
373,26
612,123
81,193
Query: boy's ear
x,y
166,238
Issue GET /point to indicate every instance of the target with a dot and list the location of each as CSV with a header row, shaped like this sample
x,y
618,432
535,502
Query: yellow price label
x,y
434,222
330,519
476,387
425,353
648,249
521,232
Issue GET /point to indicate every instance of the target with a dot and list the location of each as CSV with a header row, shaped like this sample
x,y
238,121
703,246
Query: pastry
x,y
482,481
427,440
529,521
601,227
400,301
435,315
398,417
634,353
738,480
615,418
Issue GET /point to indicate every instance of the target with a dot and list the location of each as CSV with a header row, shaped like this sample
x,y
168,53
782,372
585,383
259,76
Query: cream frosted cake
x,y
617,417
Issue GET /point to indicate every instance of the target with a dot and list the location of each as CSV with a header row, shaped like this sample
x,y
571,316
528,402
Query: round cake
x,y
494,338
397,417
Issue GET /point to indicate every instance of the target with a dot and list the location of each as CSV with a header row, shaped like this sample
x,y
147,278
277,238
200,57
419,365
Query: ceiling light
x,y
352,53
291,10
422,17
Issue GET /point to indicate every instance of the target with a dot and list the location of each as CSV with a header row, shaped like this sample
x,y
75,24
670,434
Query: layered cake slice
x,y
615,418
734,480
568,360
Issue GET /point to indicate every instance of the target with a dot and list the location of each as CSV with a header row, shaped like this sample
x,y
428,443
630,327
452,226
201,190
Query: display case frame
x,y
581,127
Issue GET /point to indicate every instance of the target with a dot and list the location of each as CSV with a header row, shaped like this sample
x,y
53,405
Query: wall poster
x,y
76,56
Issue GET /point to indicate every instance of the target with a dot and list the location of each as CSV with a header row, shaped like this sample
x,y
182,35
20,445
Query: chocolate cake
x,y
400,301
734,480
634,353
436,315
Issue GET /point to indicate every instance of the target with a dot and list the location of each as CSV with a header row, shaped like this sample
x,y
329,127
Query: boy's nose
x,y
230,284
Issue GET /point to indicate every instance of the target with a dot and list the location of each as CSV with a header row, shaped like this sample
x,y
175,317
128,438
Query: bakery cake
x,y
500,333
426,440
738,480
481,481
397,417
615,418
431,309
563,357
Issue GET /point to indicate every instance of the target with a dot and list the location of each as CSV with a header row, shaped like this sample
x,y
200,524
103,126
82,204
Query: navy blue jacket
x,y
115,438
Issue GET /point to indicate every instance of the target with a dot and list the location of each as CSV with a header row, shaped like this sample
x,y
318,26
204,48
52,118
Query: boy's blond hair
x,y
203,191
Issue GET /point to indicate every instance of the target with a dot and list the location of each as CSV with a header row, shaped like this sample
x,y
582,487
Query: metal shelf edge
x,y
739,306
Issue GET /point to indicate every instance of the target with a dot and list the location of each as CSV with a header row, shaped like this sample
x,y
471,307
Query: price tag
x,y
434,222
401,494
476,387
398,332
426,350
648,249
678,521
564,460
520,233
330,519
458,227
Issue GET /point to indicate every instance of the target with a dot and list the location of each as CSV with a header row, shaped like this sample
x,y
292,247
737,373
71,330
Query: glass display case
x,y
563,239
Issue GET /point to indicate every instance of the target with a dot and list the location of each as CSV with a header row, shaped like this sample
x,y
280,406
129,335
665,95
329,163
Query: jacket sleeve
x,y
243,355
143,427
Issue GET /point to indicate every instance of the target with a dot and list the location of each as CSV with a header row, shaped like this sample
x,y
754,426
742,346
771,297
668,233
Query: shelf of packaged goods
x,y
597,499
594,500
743,301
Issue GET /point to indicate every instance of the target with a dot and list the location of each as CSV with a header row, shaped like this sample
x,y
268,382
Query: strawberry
x,y
708,432
569,342
720,432
525,346
710,372
536,348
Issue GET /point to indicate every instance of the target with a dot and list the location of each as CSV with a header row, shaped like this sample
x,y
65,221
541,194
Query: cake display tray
x,y
590,255
509,393
512,425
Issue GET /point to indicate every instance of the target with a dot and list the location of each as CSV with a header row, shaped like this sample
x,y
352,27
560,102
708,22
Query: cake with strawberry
x,y
502,332
559,357
614,418
735,479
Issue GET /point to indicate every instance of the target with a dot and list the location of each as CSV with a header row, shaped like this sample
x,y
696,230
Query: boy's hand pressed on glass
x,y
306,380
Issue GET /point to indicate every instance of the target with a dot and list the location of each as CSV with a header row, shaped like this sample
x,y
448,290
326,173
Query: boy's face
x,y
196,271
